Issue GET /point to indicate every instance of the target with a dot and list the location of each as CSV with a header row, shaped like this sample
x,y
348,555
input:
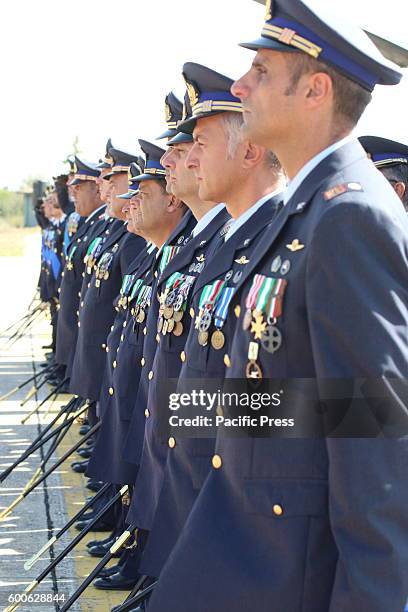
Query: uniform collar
x,y
206,219
94,213
239,221
296,182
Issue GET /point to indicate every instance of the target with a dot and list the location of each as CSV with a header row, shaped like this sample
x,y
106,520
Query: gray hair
x,y
232,123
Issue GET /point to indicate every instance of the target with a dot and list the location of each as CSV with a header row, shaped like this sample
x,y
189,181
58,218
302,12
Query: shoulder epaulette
x,y
340,189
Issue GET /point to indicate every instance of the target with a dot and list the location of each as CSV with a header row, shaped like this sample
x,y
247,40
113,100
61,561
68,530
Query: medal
x,y
168,312
237,276
203,338
160,321
106,275
205,321
178,328
178,303
253,369
271,339
247,319
178,315
170,325
141,316
217,340
97,283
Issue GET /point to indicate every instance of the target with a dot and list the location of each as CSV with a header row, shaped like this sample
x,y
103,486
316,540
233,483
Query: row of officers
x,y
264,242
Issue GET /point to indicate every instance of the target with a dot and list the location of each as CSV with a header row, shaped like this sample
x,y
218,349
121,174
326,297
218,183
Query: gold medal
x,y
217,340
178,328
141,316
203,338
178,315
168,312
160,321
170,325
106,275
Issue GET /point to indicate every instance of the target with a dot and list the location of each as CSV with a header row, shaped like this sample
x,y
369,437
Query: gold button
x,y
79,294
155,274
172,442
277,509
82,304
124,323
111,327
122,338
192,313
89,284
79,325
83,274
59,290
145,331
157,337
103,346
62,273
107,349
147,413
182,356
114,364
111,391
227,360
77,313
216,462
143,361
151,375
237,310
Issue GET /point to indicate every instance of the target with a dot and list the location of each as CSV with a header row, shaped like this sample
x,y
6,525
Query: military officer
x,y
89,207
290,524
96,310
161,220
249,179
391,158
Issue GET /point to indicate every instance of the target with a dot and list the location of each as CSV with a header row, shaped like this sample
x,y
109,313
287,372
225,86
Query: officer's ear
x,y
318,89
400,189
253,155
174,204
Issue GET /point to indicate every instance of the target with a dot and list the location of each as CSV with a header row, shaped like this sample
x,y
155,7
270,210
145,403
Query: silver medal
x,y
271,339
276,264
205,321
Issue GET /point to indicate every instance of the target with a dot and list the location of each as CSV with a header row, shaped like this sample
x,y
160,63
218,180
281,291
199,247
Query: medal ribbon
x,y
222,306
135,287
264,293
276,299
253,292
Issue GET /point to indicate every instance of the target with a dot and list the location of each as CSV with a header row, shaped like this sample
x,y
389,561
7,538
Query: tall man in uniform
x,y
310,523
248,178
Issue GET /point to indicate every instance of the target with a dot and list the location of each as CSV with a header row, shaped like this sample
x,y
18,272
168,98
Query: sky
x,y
95,69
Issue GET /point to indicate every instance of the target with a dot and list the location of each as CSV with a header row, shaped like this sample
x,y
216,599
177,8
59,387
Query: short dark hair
x,y
398,174
350,98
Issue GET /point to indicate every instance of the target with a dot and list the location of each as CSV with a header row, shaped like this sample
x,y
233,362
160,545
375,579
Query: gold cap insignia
x,y
192,94
242,260
167,112
268,10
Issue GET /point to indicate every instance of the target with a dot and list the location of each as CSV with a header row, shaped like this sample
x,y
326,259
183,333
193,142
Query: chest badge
x,y
295,245
242,260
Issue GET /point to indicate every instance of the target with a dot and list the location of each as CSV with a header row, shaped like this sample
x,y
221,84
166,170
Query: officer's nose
x,y
240,89
191,159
